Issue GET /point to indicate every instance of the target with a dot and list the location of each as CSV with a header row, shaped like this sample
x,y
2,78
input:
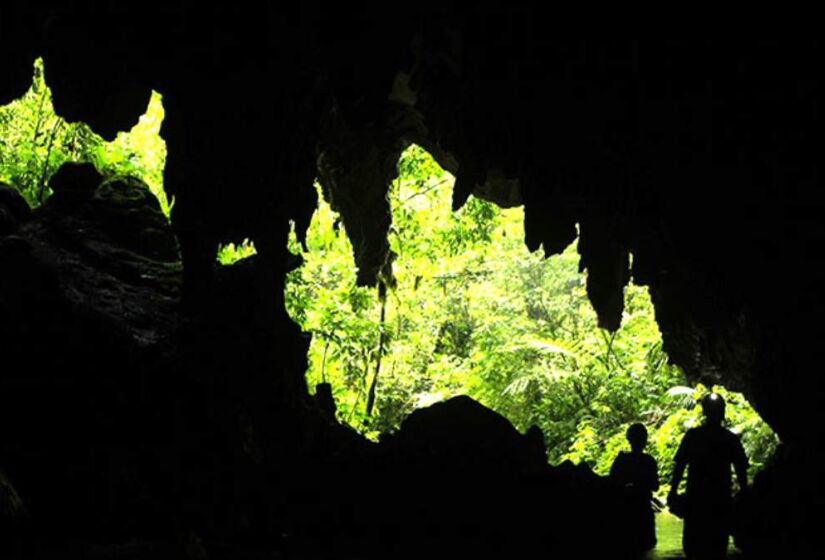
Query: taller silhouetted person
x,y
708,452
637,474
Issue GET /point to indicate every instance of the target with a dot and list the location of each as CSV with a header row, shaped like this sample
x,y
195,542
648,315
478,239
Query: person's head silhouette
x,y
637,436
713,405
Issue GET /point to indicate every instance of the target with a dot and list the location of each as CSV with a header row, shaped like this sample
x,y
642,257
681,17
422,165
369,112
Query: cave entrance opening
x,y
469,310
35,142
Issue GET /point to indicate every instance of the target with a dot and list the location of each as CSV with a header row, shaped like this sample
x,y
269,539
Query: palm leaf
x,y
683,394
551,346
518,386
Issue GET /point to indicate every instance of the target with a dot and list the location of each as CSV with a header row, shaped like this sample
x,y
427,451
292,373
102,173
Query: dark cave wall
x,y
701,158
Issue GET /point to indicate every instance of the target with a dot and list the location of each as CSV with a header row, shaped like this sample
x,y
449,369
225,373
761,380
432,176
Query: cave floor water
x,y
669,539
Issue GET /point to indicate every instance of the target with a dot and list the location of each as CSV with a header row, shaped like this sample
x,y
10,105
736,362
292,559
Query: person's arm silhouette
x,y
616,470
679,465
653,475
740,465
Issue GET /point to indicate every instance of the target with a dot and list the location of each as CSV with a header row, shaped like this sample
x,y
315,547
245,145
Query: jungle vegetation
x,y
35,142
469,310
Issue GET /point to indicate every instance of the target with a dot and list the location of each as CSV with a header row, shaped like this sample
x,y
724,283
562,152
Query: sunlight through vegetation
x,y
473,311
231,253
35,142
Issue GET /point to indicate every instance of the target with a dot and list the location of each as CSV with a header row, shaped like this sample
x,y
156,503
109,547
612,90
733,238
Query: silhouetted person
x,y
637,473
708,452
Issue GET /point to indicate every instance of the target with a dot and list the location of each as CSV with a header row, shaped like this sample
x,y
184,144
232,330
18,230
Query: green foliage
x,y
140,153
323,298
230,253
35,142
472,311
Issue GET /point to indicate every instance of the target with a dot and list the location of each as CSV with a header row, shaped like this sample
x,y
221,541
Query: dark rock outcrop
x,y
457,478
130,425
780,505
14,209
470,483
461,434
88,314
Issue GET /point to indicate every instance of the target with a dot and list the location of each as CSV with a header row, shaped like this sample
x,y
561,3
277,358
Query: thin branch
x,y
463,274
44,175
39,120
324,362
611,352
577,388
360,387
381,340
425,191
605,359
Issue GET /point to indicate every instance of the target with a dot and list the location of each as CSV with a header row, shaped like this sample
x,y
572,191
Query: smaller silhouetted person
x,y
708,453
637,473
